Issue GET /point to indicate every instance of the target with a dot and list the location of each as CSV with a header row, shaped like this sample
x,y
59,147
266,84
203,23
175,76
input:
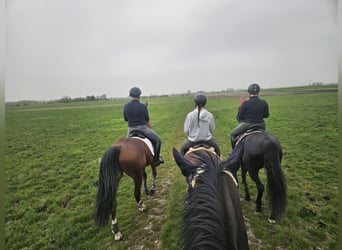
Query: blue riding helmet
x,y
135,92
254,89
200,100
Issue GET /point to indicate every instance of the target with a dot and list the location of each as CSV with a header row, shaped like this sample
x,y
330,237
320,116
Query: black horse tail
x,y
276,183
106,186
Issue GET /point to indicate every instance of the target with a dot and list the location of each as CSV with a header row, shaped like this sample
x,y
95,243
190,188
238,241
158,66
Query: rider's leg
x,y
150,134
185,147
242,127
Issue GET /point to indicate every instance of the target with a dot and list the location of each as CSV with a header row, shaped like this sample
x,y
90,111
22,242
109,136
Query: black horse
x,y
262,149
212,216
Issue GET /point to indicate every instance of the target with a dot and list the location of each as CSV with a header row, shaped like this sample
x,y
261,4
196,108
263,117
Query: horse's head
x,y
187,167
212,212
194,164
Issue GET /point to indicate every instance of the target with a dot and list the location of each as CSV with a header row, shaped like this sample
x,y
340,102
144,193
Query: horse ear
x,y
182,163
178,157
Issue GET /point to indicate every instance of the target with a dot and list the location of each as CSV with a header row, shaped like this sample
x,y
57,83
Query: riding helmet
x,y
200,100
254,89
135,92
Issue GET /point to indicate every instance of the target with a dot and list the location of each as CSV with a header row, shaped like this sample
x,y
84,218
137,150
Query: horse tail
x,y
106,186
276,183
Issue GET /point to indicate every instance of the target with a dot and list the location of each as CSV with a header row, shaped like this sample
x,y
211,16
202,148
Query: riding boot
x,y
232,141
157,159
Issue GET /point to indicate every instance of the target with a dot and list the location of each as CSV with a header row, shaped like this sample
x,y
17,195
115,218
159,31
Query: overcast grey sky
x,y
76,48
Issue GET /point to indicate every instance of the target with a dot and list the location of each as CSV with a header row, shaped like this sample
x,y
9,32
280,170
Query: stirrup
x,y
158,162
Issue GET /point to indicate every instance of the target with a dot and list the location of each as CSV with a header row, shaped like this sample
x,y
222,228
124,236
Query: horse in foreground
x,y
127,155
212,216
263,149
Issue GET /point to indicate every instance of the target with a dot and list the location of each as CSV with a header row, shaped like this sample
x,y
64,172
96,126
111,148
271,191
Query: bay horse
x,y
262,149
129,155
212,217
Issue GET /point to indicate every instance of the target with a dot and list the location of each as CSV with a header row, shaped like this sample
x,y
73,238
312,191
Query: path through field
x,y
150,233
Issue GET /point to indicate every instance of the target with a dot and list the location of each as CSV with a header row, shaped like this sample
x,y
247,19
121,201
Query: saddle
x,y
242,136
199,146
136,133
141,136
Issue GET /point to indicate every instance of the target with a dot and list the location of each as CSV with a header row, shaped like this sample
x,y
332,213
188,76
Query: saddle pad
x,y
147,142
191,149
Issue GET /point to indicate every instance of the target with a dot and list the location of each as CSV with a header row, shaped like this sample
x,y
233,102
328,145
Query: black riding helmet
x,y
254,89
135,92
200,100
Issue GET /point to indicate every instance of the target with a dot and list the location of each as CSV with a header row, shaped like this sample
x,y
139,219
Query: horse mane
x,y
201,203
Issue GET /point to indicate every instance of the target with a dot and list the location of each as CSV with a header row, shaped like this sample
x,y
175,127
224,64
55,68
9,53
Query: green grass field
x,y
52,155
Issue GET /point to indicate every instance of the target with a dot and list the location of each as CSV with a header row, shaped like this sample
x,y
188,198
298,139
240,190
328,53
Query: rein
x,y
231,176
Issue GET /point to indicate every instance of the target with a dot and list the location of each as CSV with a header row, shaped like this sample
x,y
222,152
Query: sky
x,y
79,48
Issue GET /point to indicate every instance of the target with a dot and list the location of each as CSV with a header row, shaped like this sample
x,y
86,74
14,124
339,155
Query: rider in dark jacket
x,y
136,114
251,113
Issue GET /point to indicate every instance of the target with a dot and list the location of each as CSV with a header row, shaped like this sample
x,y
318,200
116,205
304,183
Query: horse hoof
x,y
152,192
118,236
271,221
142,207
258,210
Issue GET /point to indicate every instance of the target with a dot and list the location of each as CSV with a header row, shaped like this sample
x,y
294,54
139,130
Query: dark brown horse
x,y
212,216
127,155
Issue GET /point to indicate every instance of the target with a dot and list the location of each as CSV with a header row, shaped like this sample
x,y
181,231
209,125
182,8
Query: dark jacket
x,y
253,110
135,113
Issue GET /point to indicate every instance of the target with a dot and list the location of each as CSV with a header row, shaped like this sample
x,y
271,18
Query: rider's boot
x,y
157,159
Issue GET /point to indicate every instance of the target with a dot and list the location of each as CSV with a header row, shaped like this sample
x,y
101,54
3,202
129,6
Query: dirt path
x,y
149,233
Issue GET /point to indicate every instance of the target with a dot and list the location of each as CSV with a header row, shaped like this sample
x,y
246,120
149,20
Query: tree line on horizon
x,y
90,98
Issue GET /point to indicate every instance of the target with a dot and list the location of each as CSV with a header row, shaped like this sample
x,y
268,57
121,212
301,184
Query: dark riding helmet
x,y
200,100
135,92
254,89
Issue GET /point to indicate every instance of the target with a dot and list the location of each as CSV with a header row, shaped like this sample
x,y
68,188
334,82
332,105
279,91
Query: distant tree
x,y
65,99
317,84
102,97
90,98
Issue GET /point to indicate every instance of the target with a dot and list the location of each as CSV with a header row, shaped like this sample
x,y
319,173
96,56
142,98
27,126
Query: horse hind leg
x,y
153,181
146,191
115,227
137,193
260,187
244,183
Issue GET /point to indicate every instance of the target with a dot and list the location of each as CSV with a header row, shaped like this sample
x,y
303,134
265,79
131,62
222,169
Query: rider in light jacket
x,y
199,126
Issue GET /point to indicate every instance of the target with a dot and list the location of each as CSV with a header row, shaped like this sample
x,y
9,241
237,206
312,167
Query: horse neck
x,y
204,207
234,227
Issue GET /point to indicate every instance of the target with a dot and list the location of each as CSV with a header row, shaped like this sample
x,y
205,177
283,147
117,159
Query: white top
x,y
202,131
